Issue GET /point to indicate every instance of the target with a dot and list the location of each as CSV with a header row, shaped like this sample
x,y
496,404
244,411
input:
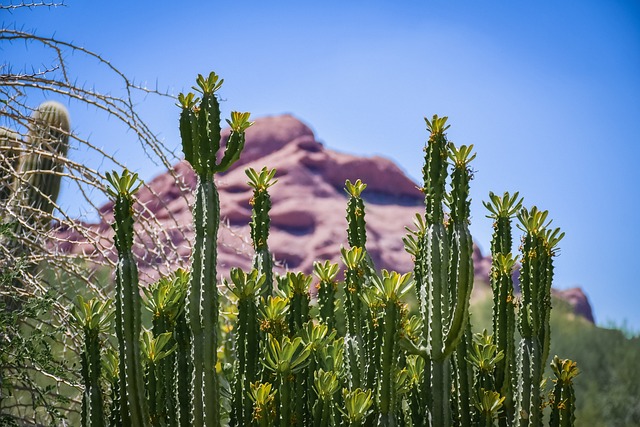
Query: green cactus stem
x,y
264,411
390,289
295,286
355,315
165,300
286,358
327,288
357,406
326,385
357,227
536,274
128,304
200,132
488,405
563,402
40,167
260,221
246,288
502,210
94,317
155,350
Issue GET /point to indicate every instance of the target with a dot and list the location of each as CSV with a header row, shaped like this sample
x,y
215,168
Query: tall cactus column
x,y
444,301
200,132
536,274
39,170
502,210
128,305
260,221
461,276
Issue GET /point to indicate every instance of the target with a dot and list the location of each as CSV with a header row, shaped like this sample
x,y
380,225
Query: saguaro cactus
x,y
40,167
128,305
200,132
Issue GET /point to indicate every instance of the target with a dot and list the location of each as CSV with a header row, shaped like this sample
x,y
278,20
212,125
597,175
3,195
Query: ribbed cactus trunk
x,y
444,294
40,167
260,223
128,303
536,274
200,133
247,288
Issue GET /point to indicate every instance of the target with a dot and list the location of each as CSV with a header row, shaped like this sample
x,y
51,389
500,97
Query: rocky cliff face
x,y
308,215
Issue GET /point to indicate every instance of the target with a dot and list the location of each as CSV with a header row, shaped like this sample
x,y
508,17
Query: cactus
x,y
261,204
502,210
246,288
94,317
390,289
448,278
285,358
40,167
536,273
357,406
563,401
289,362
264,404
200,132
165,300
128,306
327,287
155,350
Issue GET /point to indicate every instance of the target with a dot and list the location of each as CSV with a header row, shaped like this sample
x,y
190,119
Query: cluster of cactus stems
x,y
351,356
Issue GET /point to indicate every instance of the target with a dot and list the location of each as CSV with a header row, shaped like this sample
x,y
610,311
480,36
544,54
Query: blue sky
x,y
548,92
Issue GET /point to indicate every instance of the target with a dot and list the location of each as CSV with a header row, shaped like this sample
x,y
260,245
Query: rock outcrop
x,y
308,215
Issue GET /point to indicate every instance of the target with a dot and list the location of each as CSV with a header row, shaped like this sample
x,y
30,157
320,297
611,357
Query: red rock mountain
x,y
308,214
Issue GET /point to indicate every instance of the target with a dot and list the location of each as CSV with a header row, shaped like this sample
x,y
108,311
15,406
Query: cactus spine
x,y
200,132
128,306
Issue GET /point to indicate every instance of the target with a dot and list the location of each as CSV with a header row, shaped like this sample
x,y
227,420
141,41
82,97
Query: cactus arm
x,y
128,299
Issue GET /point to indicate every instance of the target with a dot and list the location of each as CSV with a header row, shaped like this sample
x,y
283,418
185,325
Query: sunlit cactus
x,y
200,132
260,221
563,402
133,406
94,317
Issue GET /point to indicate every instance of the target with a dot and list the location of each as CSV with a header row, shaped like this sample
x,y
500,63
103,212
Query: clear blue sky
x,y
548,92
